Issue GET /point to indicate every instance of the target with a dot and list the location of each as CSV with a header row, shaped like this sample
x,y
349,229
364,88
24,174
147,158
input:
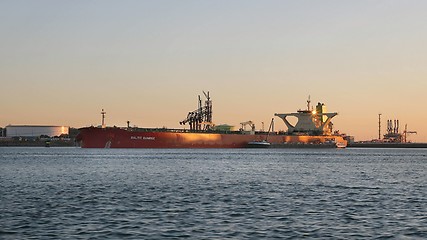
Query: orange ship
x,y
313,129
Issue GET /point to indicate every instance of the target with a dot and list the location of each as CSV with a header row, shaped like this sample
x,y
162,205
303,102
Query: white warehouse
x,y
35,131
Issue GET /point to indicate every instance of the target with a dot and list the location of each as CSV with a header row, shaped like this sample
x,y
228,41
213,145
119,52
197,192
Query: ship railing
x,y
173,130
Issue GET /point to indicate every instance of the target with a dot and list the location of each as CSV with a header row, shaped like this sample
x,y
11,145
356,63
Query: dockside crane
x,y
406,132
244,124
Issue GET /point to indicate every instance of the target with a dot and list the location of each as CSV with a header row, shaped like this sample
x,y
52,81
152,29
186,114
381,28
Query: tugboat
x,y
263,143
259,144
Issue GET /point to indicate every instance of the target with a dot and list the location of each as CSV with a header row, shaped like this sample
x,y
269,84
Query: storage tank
x,y
35,131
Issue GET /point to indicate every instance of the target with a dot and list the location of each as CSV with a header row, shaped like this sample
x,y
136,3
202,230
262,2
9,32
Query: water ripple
x,y
212,194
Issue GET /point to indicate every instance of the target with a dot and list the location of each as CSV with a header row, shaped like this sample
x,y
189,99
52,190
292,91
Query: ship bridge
x,y
310,122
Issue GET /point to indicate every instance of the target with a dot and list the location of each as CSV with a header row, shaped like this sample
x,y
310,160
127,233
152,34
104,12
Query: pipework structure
x,y
201,118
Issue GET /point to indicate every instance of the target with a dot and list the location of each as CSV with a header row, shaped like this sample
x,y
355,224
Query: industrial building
x,y
35,131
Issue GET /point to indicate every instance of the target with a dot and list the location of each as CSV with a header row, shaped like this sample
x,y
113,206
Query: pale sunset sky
x,y
61,62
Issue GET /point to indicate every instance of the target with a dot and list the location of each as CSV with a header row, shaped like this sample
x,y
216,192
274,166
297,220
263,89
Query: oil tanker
x,y
313,129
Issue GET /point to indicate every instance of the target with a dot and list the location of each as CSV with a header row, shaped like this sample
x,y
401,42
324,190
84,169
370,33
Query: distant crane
x,y
406,132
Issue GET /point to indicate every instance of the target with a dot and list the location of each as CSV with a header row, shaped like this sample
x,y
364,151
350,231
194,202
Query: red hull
x,y
92,137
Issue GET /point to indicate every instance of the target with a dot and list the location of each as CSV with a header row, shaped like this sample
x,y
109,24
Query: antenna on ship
x,y
308,103
103,118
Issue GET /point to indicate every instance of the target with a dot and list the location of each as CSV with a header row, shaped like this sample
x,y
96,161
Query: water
x,y
72,193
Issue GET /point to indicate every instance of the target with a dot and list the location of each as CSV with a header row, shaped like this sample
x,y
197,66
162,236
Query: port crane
x,y
406,132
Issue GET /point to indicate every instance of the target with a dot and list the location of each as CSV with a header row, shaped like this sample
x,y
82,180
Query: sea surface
x,y
74,193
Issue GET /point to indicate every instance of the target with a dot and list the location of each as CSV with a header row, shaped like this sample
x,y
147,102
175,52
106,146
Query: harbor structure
x,y
393,138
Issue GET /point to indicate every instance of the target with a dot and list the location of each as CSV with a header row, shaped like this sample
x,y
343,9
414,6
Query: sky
x,y
146,62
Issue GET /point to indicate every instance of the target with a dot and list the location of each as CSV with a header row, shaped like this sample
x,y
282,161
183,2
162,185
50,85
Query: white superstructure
x,y
310,121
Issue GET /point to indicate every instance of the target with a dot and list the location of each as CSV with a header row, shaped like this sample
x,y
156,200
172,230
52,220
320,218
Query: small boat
x,y
341,144
258,144
263,143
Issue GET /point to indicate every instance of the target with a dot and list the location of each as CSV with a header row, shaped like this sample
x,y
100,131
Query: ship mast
x,y
103,118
